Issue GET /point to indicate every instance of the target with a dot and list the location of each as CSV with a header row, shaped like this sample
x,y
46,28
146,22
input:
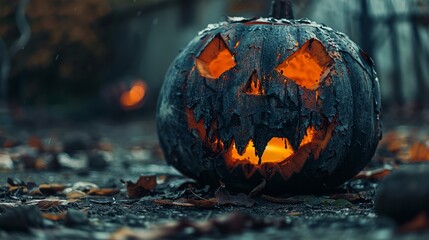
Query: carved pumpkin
x,y
289,101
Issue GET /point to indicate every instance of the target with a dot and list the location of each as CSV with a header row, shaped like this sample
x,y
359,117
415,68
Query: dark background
x,y
72,59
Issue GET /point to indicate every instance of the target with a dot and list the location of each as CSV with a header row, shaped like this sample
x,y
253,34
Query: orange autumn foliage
x,y
408,145
419,151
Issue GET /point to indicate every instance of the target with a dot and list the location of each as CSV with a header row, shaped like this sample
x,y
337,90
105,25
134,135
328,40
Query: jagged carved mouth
x,y
277,150
278,156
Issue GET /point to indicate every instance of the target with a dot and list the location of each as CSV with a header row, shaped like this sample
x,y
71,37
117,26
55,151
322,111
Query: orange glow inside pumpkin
x,y
134,96
193,124
307,65
216,145
277,150
215,59
254,85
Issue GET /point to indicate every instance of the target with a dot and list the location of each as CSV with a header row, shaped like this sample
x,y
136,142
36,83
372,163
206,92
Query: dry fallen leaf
x,y
188,202
6,206
45,204
75,194
54,216
294,214
84,186
51,189
104,191
290,200
143,187
224,197
351,197
24,189
375,174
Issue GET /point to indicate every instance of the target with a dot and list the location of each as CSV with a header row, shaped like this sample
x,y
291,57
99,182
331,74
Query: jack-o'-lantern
x,y
291,102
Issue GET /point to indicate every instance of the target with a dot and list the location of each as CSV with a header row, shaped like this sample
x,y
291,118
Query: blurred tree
x,y
394,33
64,54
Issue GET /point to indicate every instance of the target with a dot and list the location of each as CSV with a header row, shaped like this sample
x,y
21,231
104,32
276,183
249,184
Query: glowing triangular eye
x,y
307,65
215,59
254,85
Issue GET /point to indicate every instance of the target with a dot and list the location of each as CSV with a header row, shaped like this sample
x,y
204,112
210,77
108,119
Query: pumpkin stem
x,y
281,9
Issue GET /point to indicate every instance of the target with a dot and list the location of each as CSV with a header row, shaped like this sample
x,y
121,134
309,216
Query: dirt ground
x,y
176,208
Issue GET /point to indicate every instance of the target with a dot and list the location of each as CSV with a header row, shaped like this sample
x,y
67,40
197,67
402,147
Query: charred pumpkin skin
x,y
200,116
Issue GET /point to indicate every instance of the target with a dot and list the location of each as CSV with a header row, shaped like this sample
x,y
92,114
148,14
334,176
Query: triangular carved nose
x,y
254,85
